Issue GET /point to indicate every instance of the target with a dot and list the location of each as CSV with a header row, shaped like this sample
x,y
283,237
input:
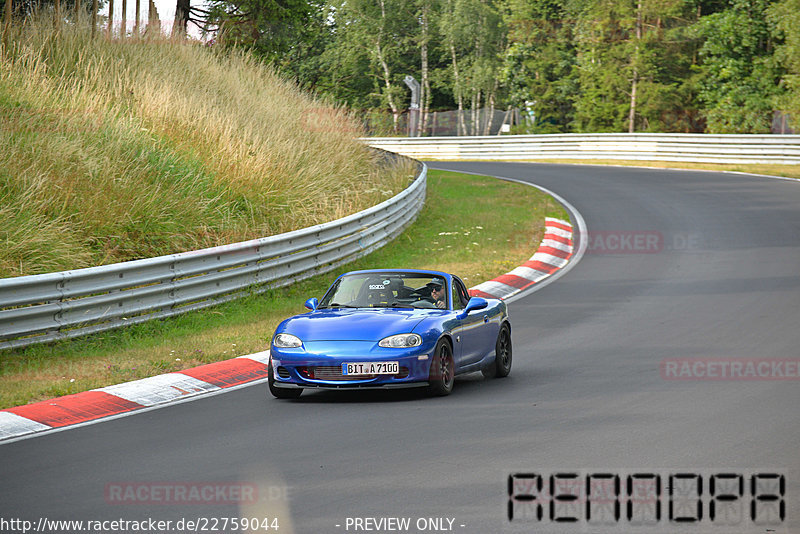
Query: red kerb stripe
x,y
562,240
540,266
229,373
74,409
562,226
514,281
555,252
479,293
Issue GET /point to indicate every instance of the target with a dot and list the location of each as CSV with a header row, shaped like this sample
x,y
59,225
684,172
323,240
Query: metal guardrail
x,y
48,307
699,148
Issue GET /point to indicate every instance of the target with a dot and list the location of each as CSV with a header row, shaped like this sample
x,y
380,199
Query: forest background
x,y
562,66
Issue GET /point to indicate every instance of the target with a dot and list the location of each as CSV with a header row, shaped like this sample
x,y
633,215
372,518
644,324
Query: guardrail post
x,y
413,108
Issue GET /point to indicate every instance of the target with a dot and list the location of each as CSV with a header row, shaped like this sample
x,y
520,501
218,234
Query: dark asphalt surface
x,y
585,393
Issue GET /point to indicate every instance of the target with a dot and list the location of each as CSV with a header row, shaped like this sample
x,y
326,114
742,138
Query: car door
x,y
472,335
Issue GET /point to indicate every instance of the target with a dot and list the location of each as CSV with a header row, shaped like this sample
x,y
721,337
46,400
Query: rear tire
x,y
281,393
503,352
502,360
443,370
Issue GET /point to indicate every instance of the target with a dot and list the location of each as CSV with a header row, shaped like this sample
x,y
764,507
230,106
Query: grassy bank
x,y
121,149
461,229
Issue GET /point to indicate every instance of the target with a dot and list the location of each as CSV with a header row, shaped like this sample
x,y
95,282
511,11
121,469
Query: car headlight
x,y
287,341
400,341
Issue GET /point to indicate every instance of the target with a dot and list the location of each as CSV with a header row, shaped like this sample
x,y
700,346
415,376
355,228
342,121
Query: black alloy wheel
x,y
443,369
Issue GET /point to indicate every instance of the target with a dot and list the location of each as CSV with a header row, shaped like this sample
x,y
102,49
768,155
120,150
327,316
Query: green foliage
x,y
566,65
740,72
784,16
539,64
473,37
269,27
624,45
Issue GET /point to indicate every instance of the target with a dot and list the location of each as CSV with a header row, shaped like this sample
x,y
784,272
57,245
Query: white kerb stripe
x,y
549,259
159,389
556,245
496,289
12,425
529,274
558,231
553,219
260,357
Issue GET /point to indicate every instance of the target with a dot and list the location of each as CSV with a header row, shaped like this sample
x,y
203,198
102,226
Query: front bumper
x,y
318,365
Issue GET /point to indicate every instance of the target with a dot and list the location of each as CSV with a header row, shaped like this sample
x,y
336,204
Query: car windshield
x,y
387,290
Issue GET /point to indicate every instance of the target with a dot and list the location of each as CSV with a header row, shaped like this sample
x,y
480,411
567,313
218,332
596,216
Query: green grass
x,y
475,227
114,150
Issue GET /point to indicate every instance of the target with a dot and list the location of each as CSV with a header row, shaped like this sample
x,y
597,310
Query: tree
x,y
426,11
539,64
268,27
740,73
376,38
633,63
784,17
473,35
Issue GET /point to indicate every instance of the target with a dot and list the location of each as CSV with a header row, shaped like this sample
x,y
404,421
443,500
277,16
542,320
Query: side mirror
x,y
475,303
312,303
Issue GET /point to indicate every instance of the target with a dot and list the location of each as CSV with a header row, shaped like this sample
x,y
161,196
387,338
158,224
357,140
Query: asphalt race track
x,y
705,271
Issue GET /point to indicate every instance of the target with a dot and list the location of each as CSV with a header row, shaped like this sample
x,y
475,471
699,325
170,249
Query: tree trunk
x,y
425,86
95,7
635,80
110,28
462,127
153,20
387,78
181,24
7,24
476,102
136,18
124,29
490,114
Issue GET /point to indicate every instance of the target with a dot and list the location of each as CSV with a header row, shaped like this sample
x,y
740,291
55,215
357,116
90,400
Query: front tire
x,y
281,393
443,370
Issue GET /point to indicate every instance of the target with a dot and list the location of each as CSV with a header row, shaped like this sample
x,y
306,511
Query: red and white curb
x,y
130,396
554,253
19,422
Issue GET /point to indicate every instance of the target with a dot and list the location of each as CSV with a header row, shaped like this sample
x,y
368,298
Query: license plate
x,y
370,368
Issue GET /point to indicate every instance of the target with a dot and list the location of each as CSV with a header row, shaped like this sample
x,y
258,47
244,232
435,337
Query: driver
x,y
437,293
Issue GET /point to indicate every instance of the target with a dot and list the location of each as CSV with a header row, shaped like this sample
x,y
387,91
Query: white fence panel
x,y
699,148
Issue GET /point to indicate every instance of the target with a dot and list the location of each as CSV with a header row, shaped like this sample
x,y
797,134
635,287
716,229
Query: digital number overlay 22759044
x,y
729,498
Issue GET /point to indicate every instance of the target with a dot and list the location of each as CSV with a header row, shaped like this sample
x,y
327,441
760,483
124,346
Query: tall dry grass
x,y
120,149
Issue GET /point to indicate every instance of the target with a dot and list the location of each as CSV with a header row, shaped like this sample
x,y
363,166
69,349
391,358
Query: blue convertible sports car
x,y
390,329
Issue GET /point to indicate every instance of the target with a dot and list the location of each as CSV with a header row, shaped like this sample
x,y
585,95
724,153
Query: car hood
x,y
361,324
